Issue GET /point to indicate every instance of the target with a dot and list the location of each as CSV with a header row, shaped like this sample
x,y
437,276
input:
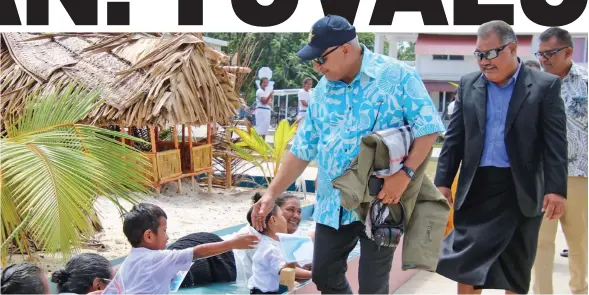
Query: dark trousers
x,y
258,291
330,257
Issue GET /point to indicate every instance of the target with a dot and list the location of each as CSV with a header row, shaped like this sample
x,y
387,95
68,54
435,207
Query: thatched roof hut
x,y
144,79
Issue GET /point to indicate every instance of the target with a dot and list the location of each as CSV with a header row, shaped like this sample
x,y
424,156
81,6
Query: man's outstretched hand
x,y
260,210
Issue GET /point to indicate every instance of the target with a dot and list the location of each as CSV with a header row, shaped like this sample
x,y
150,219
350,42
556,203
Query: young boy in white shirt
x,y
268,261
150,268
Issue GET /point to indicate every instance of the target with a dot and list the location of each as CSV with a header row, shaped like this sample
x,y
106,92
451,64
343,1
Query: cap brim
x,y
310,52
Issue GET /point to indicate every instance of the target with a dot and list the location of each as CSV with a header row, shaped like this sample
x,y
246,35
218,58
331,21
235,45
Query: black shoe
x,y
564,253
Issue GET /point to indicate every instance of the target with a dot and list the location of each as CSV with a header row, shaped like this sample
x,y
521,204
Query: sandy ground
x,y
189,212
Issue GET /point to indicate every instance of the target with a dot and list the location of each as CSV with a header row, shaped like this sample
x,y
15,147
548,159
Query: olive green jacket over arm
x,y
426,209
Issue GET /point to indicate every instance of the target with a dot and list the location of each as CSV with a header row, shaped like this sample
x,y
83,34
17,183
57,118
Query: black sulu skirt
x,y
493,245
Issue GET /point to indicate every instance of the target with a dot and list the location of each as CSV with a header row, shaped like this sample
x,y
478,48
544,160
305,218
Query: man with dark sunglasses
x,y
555,53
360,92
508,138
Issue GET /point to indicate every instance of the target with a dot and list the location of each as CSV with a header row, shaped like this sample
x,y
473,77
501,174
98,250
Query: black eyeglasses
x,y
549,53
321,60
489,54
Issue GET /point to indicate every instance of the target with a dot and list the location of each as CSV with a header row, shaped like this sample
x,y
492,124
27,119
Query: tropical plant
x,y
254,149
52,169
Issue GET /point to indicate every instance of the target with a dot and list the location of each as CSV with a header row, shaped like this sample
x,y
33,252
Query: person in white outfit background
x,y
451,106
304,98
263,112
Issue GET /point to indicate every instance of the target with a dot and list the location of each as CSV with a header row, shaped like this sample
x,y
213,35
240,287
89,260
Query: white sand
x,y
189,212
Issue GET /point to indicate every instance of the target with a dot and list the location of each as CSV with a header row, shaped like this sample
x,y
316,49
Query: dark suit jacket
x,y
535,138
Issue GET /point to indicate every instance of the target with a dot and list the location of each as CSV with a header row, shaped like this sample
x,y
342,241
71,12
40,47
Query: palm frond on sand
x,y
53,168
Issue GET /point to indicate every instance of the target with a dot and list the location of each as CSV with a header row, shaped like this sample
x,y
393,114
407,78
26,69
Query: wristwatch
x,y
410,172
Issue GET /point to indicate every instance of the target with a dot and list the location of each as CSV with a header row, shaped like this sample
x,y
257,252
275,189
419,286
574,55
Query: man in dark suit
x,y
508,131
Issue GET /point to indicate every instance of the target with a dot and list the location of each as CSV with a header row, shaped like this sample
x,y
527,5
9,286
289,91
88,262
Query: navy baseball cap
x,y
332,30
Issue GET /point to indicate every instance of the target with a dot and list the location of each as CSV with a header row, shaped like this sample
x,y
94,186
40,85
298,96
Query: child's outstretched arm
x,y
248,241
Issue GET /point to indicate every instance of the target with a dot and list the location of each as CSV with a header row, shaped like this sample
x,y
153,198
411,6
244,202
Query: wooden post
x,y
183,135
208,132
152,136
191,160
175,134
228,159
209,174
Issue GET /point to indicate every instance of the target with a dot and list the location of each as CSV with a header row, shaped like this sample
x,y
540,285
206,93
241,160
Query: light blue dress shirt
x,y
498,98
340,114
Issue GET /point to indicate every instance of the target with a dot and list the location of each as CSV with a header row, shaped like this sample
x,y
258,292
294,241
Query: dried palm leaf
x,y
143,78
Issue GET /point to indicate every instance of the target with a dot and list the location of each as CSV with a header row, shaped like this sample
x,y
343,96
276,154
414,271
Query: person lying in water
x,y
268,261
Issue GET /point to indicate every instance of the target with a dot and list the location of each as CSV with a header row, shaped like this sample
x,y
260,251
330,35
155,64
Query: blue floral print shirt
x,y
386,93
574,94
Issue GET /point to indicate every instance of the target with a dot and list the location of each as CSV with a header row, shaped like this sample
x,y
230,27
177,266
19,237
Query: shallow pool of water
x,y
240,286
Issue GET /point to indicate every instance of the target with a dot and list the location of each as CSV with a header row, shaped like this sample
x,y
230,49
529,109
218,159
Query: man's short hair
x,y
563,36
142,217
532,63
502,29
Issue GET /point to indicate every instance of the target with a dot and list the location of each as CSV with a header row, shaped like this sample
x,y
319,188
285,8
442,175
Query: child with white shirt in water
x,y
150,268
268,261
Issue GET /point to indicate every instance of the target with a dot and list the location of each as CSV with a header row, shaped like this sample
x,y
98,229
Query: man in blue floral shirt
x,y
555,53
360,92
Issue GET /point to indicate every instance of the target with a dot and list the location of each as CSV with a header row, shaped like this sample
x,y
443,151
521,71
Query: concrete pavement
x,y
431,283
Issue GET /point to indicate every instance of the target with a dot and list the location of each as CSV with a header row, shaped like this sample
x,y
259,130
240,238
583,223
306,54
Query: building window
x,y
448,57
580,50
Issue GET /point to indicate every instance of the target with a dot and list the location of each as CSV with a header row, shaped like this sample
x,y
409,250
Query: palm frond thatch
x,y
143,79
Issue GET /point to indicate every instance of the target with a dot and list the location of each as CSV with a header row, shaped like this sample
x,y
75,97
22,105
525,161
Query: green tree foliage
x,y
278,51
406,51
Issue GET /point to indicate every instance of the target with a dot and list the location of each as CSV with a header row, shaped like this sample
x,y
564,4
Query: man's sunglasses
x,y
321,60
489,54
549,53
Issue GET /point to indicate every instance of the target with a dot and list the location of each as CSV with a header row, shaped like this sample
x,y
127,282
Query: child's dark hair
x,y
142,217
256,198
80,272
22,279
